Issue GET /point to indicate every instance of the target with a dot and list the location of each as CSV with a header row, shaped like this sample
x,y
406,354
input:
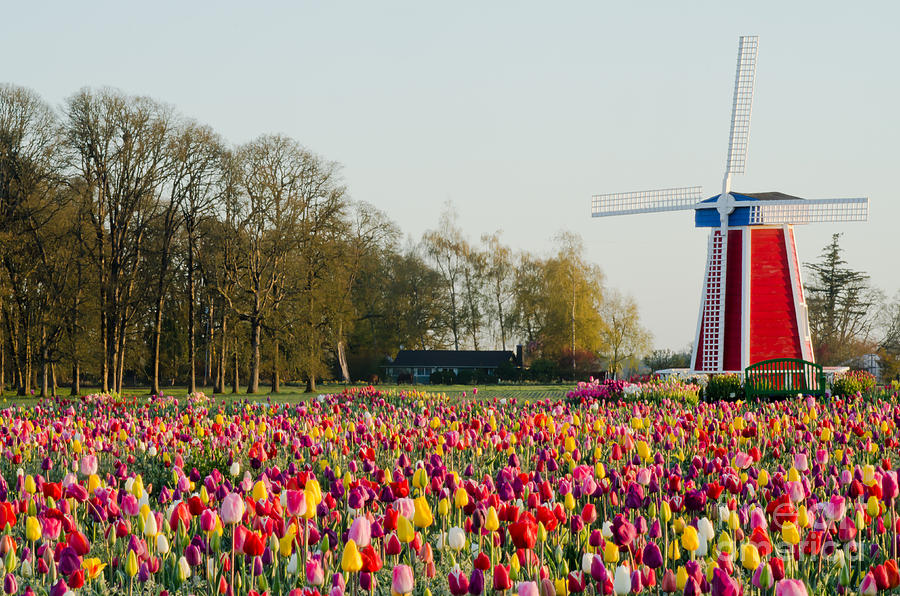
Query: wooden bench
x,y
783,377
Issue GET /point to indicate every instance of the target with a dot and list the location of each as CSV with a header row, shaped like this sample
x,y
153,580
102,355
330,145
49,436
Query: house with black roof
x,y
418,365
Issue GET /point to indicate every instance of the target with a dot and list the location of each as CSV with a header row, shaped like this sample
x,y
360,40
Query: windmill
x,y
752,306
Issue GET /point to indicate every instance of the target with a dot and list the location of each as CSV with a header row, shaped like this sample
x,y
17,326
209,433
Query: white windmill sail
x,y
802,211
646,201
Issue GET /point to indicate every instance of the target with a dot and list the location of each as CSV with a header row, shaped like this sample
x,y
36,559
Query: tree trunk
x,y
342,360
192,340
210,343
276,381
45,365
311,383
76,378
220,369
53,379
157,340
2,352
104,333
253,385
25,387
236,381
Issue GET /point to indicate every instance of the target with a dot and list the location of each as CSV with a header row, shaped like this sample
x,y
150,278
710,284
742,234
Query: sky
x,y
517,112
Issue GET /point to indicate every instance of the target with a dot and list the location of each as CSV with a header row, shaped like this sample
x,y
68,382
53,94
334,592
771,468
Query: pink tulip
x,y
868,586
88,465
315,576
295,502
208,520
130,505
361,532
836,508
232,508
790,587
528,589
402,579
742,461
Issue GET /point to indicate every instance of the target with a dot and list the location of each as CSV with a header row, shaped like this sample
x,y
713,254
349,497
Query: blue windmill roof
x,y
709,218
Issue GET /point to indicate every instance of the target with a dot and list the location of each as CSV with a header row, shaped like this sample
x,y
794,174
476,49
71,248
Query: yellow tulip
x,y
763,478
492,522
461,498
131,565
789,533
749,557
674,551
643,450
725,544
286,543
666,512
561,587
443,507
405,530
423,517
351,561
873,506
259,492
868,474
93,483
802,516
610,552
93,567
30,486
681,578
569,502
32,529
733,521
690,540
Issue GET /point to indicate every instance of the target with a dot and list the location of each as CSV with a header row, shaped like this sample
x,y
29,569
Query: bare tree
x,y
499,280
445,248
119,148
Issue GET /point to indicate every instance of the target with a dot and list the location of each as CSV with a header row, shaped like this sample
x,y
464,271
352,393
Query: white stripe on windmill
x,y
752,306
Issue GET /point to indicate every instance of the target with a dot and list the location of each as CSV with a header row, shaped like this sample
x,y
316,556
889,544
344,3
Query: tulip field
x,y
406,492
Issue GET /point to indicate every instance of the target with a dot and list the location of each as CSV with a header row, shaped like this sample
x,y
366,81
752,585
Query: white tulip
x,y
606,530
456,538
622,581
151,528
705,529
162,544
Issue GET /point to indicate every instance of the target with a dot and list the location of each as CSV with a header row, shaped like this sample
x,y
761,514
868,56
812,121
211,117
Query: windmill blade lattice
x,y
645,201
742,106
809,211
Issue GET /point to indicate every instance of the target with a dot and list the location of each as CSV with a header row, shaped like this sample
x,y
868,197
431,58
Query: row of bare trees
x,y
139,247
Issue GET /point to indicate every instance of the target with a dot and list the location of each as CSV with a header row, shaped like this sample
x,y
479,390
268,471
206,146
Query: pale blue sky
x,y
519,111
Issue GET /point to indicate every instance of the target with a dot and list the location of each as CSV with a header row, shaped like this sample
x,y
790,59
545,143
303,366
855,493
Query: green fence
x,y
784,377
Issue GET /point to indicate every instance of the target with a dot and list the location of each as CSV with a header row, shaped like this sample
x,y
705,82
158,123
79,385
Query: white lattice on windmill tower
x,y
713,302
766,314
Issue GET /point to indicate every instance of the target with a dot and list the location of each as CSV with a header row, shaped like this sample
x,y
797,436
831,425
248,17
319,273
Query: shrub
x,y
725,387
543,370
852,382
443,377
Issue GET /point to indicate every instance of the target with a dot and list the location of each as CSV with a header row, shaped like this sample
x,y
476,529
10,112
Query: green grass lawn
x,y
295,394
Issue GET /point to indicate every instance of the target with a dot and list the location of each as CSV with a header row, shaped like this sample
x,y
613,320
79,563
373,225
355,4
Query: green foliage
x,y
725,387
543,370
443,377
840,303
508,371
852,382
